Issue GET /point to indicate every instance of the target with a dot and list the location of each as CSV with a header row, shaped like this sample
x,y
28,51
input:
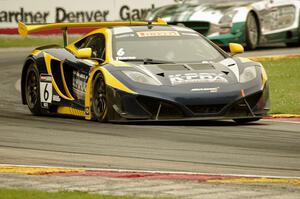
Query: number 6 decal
x,y
46,88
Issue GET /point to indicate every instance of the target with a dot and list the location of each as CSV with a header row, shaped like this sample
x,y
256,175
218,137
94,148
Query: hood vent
x,y
171,67
180,67
201,66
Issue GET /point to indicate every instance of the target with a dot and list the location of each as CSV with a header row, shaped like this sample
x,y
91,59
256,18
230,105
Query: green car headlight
x,y
141,78
248,74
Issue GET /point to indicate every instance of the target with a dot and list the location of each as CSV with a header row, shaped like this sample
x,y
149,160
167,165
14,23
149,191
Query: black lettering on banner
x,y
126,13
22,15
60,15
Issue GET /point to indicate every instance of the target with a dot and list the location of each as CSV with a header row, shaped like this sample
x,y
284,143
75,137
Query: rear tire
x,y
252,32
246,120
32,90
99,99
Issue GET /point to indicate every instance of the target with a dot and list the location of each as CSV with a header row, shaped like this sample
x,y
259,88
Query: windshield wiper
x,y
148,61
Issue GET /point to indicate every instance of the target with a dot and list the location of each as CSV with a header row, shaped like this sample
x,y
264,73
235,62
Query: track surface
x,y
264,148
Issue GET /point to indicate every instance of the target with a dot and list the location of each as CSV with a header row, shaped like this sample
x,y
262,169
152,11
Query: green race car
x,y
248,22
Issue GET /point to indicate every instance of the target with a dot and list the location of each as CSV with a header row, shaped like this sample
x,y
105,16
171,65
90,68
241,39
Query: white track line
x,y
147,171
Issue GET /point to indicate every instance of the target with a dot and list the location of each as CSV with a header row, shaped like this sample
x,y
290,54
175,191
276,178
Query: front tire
x,y
252,32
32,90
99,99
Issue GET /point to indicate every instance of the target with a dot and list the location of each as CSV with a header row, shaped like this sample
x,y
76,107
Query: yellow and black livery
x,y
107,75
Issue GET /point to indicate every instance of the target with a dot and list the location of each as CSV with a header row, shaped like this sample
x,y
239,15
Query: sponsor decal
x,y
56,98
211,90
158,34
190,78
79,84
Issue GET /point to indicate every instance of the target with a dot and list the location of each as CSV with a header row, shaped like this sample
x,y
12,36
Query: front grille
x,y
206,109
253,99
240,108
199,26
167,110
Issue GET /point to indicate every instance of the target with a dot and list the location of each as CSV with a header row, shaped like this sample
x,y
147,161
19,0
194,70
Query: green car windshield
x,y
177,48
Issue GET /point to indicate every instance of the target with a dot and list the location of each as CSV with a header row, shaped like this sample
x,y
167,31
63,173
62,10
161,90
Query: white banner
x,y
43,11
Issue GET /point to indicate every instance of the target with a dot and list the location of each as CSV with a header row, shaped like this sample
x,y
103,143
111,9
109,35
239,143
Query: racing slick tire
x,y
246,120
32,90
252,32
99,99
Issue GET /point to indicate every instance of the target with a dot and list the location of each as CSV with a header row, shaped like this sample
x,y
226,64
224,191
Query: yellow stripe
x,y
119,63
64,82
264,76
285,116
33,170
258,180
48,59
36,52
64,110
244,60
274,58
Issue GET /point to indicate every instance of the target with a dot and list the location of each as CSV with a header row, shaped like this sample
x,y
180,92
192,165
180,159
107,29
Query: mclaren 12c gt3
x,y
142,71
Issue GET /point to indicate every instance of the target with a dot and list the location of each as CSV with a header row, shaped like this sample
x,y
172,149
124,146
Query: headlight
x,y
248,74
141,78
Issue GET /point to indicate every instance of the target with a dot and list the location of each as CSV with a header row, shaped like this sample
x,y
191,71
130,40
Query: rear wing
x,y
24,30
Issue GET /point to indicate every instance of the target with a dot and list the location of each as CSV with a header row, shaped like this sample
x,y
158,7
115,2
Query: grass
x,y
284,79
32,41
34,194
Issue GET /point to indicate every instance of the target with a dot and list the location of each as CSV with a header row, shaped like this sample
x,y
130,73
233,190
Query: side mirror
x,y
236,48
84,53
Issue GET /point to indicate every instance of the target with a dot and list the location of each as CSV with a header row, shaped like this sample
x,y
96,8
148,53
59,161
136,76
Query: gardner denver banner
x,y
49,11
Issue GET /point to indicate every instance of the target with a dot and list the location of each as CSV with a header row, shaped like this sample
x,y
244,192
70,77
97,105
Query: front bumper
x,y
225,39
237,35
126,106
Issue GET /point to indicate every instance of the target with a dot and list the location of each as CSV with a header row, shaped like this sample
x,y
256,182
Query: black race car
x,y
142,71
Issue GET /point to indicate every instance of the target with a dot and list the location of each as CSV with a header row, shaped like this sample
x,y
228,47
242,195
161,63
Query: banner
x,y
43,11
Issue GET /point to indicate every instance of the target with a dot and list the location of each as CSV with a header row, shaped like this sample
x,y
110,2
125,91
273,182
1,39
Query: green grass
x,y
35,41
284,79
33,194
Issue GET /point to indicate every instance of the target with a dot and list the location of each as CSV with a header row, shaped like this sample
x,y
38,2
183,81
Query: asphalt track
x,y
264,148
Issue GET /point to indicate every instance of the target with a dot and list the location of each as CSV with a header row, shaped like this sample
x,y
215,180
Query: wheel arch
x,y
30,60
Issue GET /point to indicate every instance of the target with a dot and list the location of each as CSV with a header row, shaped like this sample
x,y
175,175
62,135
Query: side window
x,y
96,42
82,43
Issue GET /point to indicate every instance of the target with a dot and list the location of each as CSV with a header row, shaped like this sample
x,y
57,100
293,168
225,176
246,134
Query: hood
x,y
190,74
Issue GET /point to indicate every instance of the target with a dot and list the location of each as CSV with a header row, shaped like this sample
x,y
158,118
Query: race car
x,y
248,22
142,71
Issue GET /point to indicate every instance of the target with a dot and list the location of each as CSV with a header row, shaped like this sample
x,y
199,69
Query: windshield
x,y
176,48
